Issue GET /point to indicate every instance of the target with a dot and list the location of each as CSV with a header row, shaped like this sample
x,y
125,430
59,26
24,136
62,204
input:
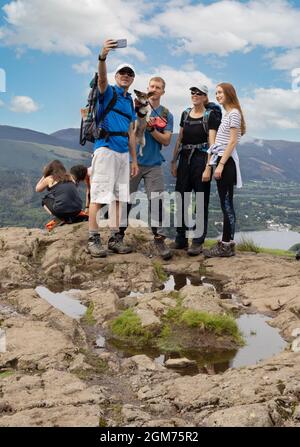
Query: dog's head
x,y
143,97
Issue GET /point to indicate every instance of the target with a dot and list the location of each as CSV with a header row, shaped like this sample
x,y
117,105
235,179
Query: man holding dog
x,y
158,133
110,165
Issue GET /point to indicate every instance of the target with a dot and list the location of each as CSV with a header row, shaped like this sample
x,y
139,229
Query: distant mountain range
x,y
274,160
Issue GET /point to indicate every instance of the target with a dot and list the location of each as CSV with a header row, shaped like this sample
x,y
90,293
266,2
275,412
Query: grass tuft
x,y
160,273
128,325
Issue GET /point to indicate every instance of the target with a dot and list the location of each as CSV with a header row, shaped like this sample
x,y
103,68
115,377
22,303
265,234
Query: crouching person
x,y
62,199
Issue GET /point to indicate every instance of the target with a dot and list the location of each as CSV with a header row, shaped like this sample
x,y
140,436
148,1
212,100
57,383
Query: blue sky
x,y
49,50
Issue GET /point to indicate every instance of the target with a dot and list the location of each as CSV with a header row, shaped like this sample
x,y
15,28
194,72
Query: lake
x,y
271,239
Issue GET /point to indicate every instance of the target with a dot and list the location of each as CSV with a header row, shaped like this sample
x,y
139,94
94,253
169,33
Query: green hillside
x,y
33,156
21,165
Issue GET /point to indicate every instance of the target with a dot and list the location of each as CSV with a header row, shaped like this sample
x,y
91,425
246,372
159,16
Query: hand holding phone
x,y
121,43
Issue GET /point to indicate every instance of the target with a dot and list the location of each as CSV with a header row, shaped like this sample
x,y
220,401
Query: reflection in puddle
x,y
262,341
179,280
62,301
100,341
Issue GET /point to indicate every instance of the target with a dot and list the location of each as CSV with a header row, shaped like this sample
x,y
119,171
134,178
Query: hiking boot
x,y
116,244
180,245
232,246
95,248
162,249
220,250
195,249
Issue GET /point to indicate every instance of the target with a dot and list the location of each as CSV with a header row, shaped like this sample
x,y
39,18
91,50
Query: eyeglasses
x,y
194,92
127,72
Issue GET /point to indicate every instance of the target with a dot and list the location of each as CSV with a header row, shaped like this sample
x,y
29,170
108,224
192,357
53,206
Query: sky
x,y
49,50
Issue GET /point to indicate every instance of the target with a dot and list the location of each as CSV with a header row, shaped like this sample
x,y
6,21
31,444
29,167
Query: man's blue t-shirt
x,y
113,121
152,150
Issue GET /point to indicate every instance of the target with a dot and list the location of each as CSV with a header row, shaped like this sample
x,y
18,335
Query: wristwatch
x,y
101,58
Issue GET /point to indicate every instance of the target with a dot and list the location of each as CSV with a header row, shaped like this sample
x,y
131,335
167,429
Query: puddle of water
x,y
62,301
179,280
262,340
100,341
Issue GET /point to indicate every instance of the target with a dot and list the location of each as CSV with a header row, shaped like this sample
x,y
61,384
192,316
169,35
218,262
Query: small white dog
x,y
143,110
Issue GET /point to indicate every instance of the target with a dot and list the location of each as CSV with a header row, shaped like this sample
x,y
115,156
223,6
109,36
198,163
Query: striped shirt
x,y
229,120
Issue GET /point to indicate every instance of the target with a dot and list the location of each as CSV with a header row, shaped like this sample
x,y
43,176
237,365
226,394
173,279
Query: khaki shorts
x,y
109,176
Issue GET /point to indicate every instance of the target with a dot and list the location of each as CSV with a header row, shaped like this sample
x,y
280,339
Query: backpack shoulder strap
x,y
186,115
109,106
164,113
205,119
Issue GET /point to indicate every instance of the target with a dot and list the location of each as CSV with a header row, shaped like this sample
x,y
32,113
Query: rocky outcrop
x,y
54,374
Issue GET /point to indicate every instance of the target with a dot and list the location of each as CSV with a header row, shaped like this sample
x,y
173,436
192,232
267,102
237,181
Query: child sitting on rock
x,y
62,200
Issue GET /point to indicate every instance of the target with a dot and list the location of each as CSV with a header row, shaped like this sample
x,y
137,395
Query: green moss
x,y
160,273
128,325
209,243
248,245
99,366
276,252
174,294
202,270
109,268
102,422
88,317
219,324
5,374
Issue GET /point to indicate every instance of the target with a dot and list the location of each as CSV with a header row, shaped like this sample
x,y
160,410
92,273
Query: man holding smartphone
x,y
110,171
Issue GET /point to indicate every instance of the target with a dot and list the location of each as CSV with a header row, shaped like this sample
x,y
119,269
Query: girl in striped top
x,y
223,154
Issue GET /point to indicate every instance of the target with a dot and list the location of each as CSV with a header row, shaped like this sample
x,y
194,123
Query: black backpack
x,y
210,107
90,129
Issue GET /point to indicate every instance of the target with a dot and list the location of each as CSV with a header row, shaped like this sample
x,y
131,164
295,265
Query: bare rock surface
x,y
52,375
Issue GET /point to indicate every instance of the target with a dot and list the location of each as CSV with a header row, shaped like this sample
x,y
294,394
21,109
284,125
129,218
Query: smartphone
x,y
121,43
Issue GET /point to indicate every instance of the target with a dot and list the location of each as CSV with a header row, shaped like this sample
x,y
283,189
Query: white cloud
x,y
23,104
84,67
271,109
226,26
288,60
70,27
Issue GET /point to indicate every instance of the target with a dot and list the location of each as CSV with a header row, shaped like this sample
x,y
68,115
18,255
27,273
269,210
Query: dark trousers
x,y
189,178
225,189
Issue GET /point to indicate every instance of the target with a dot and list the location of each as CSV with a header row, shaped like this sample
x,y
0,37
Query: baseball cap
x,y
121,66
201,87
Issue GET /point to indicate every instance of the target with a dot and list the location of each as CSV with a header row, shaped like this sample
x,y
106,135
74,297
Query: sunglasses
x,y
126,72
194,92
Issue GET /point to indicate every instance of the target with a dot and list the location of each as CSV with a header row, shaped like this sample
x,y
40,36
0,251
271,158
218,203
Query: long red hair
x,y
232,101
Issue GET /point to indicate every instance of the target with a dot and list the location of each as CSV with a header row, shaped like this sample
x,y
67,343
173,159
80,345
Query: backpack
x,y
89,128
210,107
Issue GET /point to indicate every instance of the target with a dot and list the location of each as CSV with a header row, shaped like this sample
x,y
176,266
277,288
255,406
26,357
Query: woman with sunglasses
x,y
198,128
223,154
